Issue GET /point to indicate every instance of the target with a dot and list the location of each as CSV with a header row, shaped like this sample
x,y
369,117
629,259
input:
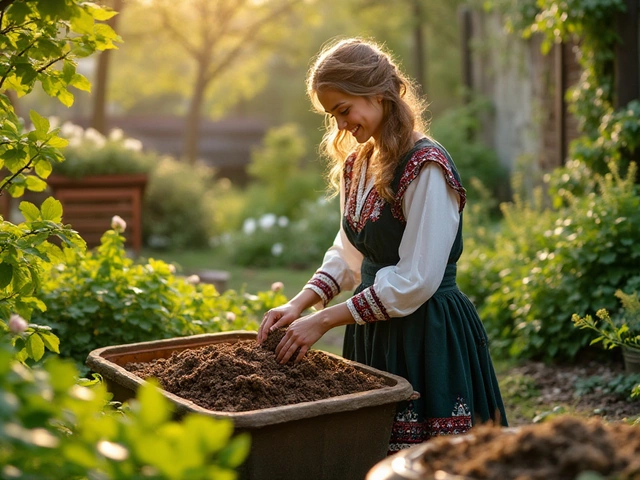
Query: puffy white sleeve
x,y
340,268
431,209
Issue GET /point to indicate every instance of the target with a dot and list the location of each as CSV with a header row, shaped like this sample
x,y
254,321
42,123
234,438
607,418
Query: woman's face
x,y
361,116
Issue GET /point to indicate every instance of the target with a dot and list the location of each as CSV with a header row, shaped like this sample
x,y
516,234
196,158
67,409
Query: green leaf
x,y
82,22
80,82
30,211
43,168
40,123
66,97
68,71
36,184
100,13
51,341
35,346
15,159
51,210
6,274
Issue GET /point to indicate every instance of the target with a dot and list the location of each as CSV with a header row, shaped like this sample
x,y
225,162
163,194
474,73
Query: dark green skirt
x,y
442,350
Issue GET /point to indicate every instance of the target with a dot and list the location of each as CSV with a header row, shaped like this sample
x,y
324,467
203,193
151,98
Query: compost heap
x,y
559,449
242,376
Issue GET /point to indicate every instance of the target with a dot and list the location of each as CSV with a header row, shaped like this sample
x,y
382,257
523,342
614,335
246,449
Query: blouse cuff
x,y
366,307
324,285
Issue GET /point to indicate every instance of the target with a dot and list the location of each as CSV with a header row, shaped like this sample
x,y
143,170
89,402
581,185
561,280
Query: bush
x,y
457,130
103,298
544,265
56,428
91,153
178,205
284,179
272,241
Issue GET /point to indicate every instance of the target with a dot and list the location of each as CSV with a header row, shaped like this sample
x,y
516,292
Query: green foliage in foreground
x,y
54,427
546,264
102,298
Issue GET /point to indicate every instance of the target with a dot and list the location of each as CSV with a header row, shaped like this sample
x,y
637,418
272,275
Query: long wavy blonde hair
x,y
362,68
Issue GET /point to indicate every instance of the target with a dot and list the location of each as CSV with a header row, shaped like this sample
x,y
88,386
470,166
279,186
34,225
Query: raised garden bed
x,y
562,448
337,437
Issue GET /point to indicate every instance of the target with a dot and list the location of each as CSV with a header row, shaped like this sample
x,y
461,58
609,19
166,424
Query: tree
x,y
98,117
202,47
40,41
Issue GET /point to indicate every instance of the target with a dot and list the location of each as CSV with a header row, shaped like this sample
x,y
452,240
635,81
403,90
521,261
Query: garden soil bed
x,y
556,387
244,376
559,449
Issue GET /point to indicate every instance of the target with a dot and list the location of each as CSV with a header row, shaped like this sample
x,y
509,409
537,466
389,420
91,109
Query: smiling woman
x,y
400,237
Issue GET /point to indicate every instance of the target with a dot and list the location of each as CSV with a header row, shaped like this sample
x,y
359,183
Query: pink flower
x,y
118,224
17,324
277,286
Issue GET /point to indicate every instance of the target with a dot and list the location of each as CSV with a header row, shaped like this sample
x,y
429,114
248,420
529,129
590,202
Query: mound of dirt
x,y
243,376
559,449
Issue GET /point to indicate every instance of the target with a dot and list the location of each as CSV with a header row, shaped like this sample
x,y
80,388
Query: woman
x,y
401,234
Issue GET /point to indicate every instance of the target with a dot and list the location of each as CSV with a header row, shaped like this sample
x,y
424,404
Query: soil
x,y
244,376
559,449
556,388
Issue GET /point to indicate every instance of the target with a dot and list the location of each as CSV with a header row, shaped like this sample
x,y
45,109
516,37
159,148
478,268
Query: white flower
x,y
116,134
277,249
17,324
93,135
249,226
132,144
231,316
277,286
192,279
118,224
71,131
172,268
267,221
283,221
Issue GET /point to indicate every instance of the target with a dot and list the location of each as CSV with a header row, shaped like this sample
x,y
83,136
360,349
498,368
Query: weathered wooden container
x,y
332,439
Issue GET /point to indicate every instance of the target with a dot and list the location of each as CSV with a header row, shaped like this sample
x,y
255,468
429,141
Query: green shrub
x,y
54,427
457,129
544,265
104,298
272,241
178,205
91,153
283,177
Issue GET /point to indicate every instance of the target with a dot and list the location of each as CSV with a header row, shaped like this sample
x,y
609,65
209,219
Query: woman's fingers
x,y
267,323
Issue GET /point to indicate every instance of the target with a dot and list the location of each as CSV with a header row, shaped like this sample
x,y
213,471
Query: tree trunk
x,y
419,50
101,82
193,119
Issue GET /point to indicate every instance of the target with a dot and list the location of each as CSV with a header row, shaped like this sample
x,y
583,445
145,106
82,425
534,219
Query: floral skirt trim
x,y
408,431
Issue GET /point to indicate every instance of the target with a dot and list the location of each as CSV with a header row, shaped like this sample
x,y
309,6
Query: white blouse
x,y
431,209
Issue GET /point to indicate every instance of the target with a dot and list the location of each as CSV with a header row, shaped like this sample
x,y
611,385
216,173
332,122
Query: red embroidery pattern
x,y
372,207
324,285
412,170
368,306
407,430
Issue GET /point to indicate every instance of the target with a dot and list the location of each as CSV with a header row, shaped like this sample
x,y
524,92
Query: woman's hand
x,y
276,318
302,334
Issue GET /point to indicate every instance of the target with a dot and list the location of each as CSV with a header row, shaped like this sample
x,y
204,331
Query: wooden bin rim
x,y
105,362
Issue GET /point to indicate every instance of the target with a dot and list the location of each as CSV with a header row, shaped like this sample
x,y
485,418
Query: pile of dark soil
x,y
243,376
559,449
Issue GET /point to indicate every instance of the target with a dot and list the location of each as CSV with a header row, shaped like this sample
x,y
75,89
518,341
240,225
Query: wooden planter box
x,y
331,439
89,203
